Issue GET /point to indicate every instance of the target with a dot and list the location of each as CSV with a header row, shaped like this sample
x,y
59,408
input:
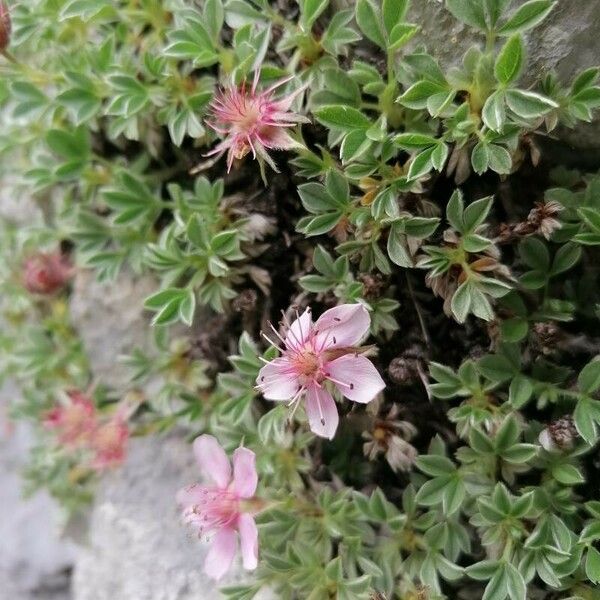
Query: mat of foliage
x,y
260,158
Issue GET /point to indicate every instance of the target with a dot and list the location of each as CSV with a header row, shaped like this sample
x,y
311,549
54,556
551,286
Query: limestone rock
x,y
35,561
110,319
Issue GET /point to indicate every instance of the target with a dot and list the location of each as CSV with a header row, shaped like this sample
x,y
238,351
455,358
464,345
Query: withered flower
x,y
390,436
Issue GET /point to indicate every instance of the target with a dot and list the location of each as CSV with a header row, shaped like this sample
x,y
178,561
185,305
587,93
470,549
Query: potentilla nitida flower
x,y
108,443
46,273
222,508
254,121
73,420
5,26
313,354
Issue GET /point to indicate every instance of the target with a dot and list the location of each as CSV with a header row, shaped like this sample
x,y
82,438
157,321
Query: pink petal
x,y
276,381
275,137
342,326
284,104
245,478
248,541
190,495
212,460
299,331
321,412
221,553
356,377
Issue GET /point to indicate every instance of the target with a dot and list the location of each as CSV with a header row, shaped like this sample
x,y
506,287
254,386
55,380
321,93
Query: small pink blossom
x,y
222,507
73,420
251,120
46,273
109,443
313,353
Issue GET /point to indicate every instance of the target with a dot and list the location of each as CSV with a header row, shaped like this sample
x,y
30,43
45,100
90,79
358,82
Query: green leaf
x,y
239,13
528,105
453,496
497,588
592,565
416,95
566,258
214,17
527,16
480,157
342,117
476,213
588,380
421,164
494,112
311,10
370,21
567,474
401,35
500,159
517,590
469,12
435,465
520,391
454,210
410,141
461,302
585,421
510,60
393,12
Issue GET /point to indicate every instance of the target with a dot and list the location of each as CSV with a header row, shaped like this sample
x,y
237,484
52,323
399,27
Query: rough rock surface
x,y
109,317
138,548
35,562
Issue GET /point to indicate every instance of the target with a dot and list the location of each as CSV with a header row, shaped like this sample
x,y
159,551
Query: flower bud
x,y
46,273
5,26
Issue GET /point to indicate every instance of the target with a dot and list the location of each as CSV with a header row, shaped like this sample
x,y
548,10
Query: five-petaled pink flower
x,y
46,273
251,120
313,353
223,507
73,420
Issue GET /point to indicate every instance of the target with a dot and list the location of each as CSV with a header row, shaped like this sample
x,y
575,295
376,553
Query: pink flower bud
x,y
5,26
46,273
73,420
109,443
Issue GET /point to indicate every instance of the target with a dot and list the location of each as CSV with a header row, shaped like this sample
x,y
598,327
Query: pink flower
x,y
315,353
46,273
74,421
254,121
109,443
5,26
223,506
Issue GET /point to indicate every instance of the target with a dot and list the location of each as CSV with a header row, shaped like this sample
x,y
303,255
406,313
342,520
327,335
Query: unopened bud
x,y
46,273
5,26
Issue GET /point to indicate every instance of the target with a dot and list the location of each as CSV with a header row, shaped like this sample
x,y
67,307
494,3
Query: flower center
x,y
308,364
215,508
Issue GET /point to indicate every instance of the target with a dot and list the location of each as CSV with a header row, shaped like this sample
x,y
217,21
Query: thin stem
x,y
418,310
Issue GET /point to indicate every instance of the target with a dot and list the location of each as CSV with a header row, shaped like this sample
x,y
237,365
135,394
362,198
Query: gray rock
x,y
35,561
139,550
110,320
